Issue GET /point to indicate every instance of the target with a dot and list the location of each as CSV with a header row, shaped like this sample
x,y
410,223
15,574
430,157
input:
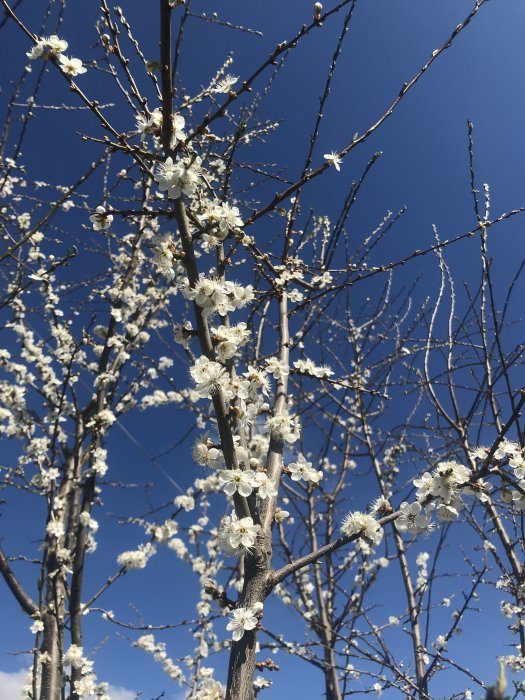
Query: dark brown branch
x,y
26,602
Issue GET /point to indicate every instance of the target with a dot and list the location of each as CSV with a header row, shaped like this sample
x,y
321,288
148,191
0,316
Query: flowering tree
x,y
338,422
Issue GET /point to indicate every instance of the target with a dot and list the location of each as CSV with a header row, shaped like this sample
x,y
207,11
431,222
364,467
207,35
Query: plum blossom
x,y
277,368
443,489
101,219
244,619
152,124
215,295
223,219
265,486
71,66
180,177
37,626
55,528
358,523
229,339
136,559
205,453
333,159
209,689
235,535
164,254
308,366
210,377
238,481
413,518
301,469
283,427
47,46
225,84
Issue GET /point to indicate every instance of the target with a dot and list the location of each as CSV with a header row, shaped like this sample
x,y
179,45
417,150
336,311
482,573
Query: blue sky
x,y
424,167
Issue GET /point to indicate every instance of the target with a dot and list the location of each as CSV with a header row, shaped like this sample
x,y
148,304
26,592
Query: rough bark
x,y
242,657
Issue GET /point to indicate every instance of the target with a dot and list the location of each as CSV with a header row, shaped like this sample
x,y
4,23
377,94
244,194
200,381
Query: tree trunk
x,y
242,656
51,683
332,690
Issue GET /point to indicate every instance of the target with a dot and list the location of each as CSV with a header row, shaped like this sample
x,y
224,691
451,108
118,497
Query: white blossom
x,y
210,377
71,66
138,558
238,481
229,339
244,619
55,528
236,536
51,45
180,177
205,453
334,159
37,626
413,518
225,84
283,427
101,219
265,486
277,368
363,524
301,469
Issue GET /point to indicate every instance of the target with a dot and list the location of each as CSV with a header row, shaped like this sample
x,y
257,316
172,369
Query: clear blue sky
x,y
424,166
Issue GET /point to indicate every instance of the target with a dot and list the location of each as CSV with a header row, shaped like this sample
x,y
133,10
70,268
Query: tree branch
x,y
26,602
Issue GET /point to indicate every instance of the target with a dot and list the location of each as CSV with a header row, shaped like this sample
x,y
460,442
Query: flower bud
x,y
506,495
317,11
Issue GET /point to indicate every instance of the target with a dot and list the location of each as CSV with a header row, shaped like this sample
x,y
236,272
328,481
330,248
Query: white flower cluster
x,y
218,296
358,523
185,500
71,66
238,481
87,685
55,528
179,177
206,453
516,663
53,47
237,535
244,619
441,490
309,367
513,454
210,377
45,478
277,368
164,254
283,426
301,469
101,219
152,124
244,482
209,689
229,339
222,219
413,519
162,533
138,558
422,573
158,650
102,420
225,84
99,461
37,626
47,46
